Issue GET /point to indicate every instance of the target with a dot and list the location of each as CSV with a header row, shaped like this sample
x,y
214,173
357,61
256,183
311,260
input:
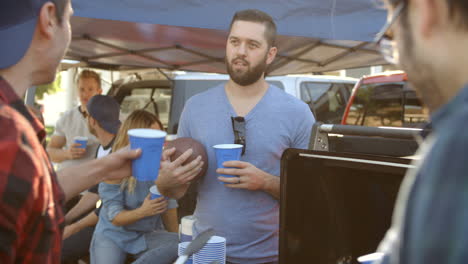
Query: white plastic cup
x,y
186,228
154,192
181,251
150,141
370,258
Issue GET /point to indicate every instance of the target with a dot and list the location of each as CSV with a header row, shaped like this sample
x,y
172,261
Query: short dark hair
x,y
89,74
254,15
60,6
458,10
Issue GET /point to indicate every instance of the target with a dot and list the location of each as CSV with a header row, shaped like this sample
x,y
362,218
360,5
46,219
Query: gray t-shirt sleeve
x,y
304,128
184,122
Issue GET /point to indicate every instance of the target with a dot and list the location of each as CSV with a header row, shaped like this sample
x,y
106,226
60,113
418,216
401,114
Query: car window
x,y
326,100
140,98
387,104
311,91
277,84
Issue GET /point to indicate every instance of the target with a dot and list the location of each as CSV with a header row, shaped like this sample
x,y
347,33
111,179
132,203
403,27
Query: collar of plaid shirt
x,y
9,96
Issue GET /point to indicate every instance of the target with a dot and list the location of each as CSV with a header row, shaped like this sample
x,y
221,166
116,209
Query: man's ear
x,y
430,15
271,55
47,20
92,121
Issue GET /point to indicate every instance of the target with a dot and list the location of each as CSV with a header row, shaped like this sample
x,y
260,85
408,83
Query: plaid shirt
x,y
31,216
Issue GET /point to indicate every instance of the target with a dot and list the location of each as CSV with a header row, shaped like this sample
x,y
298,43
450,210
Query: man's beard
x,y
421,74
250,76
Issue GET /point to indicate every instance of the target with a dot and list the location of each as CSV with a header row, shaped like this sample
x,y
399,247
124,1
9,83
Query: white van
x,y
326,95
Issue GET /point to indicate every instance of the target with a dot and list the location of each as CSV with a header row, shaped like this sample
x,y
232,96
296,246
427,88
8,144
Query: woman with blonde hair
x,y
129,221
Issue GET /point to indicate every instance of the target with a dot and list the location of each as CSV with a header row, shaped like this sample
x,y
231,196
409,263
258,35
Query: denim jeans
x,y
162,249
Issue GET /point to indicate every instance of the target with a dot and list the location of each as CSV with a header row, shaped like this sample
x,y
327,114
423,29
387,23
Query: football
x,y
185,143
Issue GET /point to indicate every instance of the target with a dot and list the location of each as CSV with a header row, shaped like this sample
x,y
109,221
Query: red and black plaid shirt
x,y
31,216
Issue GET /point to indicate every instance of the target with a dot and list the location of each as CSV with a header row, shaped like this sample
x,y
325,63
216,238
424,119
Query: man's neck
x,y
18,79
104,137
244,98
249,91
83,109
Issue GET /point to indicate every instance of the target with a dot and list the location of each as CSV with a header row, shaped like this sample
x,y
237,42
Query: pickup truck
x,y
385,99
337,197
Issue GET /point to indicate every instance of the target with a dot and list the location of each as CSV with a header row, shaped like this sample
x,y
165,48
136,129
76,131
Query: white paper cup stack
x,y
214,250
186,231
181,251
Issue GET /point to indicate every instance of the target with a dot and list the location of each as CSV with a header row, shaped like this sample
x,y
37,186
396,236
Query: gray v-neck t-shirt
x,y
249,220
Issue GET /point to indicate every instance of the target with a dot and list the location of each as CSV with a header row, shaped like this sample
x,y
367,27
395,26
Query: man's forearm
x,y
175,192
58,155
86,203
170,220
127,217
272,186
75,179
114,166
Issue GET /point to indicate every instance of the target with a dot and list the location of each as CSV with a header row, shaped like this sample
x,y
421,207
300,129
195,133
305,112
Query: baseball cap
x,y
18,20
105,110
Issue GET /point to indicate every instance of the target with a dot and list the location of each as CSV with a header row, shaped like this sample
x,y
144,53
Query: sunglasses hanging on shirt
x,y
238,127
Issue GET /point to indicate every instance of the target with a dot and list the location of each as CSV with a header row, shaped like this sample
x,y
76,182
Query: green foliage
x,y
49,130
50,88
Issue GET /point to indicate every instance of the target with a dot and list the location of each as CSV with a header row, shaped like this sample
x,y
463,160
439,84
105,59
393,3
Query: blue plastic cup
x,y
150,141
83,141
155,192
370,258
227,152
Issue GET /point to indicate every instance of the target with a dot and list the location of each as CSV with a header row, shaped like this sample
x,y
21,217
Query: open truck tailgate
x,y
335,207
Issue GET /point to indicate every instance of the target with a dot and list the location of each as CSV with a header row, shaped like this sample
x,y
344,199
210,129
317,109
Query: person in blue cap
x,y
34,37
103,122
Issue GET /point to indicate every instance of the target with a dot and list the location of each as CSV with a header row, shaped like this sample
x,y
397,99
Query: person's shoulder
x,y
71,112
19,142
68,116
16,123
206,96
453,128
286,100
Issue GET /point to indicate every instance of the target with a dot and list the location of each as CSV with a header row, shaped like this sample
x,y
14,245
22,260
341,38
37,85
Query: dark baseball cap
x,y
105,110
18,19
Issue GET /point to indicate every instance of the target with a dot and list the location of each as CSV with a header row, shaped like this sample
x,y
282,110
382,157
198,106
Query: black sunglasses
x,y
238,127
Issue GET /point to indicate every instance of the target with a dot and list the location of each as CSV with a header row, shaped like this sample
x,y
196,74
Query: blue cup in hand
x,y
150,141
83,141
227,152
